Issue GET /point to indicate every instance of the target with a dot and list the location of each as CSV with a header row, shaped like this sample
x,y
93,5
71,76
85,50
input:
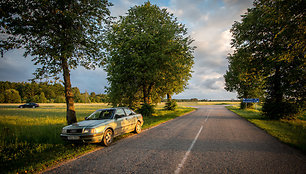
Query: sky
x,y
208,23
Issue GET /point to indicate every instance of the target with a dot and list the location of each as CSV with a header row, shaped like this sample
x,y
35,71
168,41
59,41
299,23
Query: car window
x,y
120,112
101,114
106,114
129,112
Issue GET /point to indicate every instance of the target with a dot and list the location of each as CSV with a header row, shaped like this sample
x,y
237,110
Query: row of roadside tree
x,y
147,53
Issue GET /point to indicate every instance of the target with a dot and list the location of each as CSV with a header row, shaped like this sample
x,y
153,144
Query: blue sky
x,y
208,23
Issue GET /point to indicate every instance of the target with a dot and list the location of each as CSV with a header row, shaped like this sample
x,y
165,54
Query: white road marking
x,y
180,166
177,171
209,111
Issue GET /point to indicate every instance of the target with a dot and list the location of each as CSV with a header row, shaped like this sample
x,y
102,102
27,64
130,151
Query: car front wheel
x,y
138,127
108,137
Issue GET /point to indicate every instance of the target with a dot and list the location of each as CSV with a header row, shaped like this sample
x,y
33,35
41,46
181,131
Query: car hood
x,y
88,123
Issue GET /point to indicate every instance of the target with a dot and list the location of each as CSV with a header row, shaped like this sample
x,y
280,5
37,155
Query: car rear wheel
x,y
108,137
33,106
138,127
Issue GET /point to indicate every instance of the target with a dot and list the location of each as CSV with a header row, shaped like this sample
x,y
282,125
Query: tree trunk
x,y
145,95
277,93
169,97
149,93
70,114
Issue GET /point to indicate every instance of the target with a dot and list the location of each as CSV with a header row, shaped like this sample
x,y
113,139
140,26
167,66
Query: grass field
x,y
292,132
30,141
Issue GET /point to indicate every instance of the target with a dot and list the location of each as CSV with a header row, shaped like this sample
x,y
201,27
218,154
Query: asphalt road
x,y
209,140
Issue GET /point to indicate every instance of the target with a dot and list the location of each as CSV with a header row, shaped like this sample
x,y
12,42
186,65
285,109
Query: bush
x,y
281,110
171,105
246,105
11,96
35,99
2,99
60,99
42,98
146,109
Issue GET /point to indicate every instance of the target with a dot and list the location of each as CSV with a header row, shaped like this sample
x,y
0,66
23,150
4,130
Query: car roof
x,y
113,108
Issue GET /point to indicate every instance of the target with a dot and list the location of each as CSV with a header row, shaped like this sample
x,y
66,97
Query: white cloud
x,y
213,75
208,22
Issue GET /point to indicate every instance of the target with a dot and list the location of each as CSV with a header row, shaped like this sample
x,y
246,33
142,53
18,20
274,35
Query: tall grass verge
x,y
292,132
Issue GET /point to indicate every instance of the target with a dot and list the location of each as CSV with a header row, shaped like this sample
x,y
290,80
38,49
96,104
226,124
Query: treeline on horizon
x,y
43,92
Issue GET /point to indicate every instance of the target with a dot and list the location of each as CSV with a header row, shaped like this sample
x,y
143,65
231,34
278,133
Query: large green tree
x,y
150,55
273,33
243,77
59,34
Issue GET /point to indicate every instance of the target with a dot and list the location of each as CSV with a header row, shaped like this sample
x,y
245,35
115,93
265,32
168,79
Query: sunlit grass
x,y
30,141
292,132
30,138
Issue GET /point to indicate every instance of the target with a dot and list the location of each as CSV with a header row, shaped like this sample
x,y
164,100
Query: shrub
x,y
146,109
42,98
60,99
35,99
2,99
246,105
11,96
281,110
171,105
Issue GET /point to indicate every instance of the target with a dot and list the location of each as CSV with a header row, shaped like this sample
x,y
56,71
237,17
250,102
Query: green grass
x,y
292,132
30,141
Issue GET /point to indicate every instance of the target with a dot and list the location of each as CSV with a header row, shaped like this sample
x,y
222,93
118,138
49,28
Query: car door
x,y
132,120
121,121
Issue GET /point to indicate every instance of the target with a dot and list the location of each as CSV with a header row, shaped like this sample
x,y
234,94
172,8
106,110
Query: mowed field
x,y
30,138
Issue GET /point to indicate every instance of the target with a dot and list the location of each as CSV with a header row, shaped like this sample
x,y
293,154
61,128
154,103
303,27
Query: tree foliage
x,y
150,55
273,34
242,76
59,34
171,105
46,93
11,96
28,91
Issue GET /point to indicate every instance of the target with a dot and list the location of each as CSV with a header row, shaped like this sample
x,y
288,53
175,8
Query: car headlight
x,y
64,131
90,130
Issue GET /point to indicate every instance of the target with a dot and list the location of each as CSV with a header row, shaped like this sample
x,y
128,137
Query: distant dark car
x,y
29,105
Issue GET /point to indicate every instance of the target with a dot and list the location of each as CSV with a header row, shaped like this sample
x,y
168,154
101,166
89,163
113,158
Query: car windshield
x,y
101,114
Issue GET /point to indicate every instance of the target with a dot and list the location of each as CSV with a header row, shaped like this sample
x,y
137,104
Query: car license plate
x,y
73,138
